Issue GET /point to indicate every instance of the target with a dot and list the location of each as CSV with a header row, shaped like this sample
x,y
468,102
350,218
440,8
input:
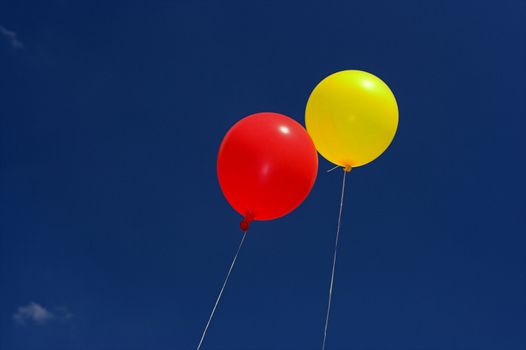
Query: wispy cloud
x,y
11,37
32,313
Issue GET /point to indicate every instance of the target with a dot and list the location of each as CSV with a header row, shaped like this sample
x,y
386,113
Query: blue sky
x,y
114,233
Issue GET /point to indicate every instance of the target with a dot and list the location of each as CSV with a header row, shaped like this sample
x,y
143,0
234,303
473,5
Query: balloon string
x,y
221,292
331,169
334,261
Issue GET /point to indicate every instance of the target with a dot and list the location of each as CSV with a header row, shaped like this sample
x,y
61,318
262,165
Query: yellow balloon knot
x,y
347,168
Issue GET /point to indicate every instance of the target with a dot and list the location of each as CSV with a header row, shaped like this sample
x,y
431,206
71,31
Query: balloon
x,y
267,165
352,117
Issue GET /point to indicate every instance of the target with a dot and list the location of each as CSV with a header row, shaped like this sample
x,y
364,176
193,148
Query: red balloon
x,y
267,165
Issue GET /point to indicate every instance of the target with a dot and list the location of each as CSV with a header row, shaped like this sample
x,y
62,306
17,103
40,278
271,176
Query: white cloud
x,y
32,313
11,37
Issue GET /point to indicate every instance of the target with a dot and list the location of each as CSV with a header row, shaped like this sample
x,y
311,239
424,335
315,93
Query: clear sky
x,y
114,233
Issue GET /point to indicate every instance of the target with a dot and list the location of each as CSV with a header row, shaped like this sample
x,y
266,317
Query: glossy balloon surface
x,y
352,117
267,165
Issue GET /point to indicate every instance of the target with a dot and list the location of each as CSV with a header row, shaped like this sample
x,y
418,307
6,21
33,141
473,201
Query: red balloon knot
x,y
245,223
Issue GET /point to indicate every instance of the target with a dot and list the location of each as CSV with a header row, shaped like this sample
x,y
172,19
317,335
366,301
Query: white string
x,y
221,292
334,262
331,169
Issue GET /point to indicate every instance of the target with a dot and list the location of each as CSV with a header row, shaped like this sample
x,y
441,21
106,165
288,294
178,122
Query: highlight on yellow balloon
x,y
352,117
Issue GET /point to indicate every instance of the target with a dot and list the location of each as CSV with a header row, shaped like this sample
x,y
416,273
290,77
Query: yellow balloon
x,y
352,117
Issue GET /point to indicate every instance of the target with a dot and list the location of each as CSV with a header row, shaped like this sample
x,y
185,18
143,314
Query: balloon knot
x,y
245,223
347,168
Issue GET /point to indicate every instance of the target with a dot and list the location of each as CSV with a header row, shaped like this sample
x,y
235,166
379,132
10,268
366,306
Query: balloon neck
x,y
245,223
347,168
